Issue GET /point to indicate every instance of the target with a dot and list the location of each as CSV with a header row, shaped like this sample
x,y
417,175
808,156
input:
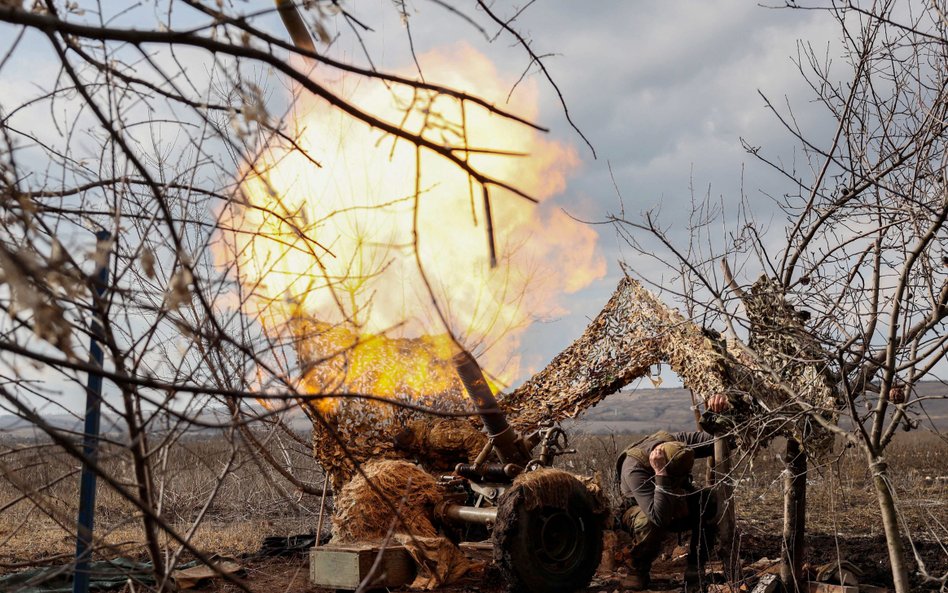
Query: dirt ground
x,y
759,555
250,504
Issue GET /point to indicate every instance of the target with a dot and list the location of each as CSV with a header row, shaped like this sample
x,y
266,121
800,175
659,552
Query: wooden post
x,y
727,545
794,517
322,510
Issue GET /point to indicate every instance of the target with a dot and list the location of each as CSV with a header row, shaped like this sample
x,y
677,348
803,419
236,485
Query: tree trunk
x,y
890,522
794,517
727,547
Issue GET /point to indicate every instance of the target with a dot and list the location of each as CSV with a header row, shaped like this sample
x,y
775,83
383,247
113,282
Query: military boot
x,y
694,578
638,578
694,569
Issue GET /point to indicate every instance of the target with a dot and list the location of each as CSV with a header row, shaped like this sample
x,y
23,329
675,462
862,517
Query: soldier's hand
x,y
718,403
658,460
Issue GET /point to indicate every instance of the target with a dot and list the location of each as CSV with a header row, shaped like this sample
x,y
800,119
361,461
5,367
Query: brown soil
x,y
869,553
286,575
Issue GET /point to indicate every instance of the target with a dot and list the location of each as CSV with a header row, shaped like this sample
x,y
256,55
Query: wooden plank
x,y
873,589
346,566
767,584
468,546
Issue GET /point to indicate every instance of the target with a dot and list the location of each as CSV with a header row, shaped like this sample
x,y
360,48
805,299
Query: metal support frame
x,y
456,513
90,439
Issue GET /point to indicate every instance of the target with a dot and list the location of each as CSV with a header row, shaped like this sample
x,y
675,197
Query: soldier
x,y
655,480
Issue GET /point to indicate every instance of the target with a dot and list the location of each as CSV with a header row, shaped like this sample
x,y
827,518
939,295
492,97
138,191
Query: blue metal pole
x,y
90,439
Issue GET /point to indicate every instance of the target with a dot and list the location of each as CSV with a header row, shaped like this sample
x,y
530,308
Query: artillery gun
x,y
545,524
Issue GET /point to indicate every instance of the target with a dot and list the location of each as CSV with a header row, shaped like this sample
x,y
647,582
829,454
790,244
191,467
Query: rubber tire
x,y
518,537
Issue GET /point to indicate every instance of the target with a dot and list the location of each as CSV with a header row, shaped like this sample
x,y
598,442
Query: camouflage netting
x,y
364,514
634,331
440,444
549,487
787,349
780,339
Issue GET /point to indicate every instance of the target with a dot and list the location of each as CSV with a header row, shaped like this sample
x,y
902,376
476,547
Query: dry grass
x,y
841,499
840,496
245,500
253,501
842,512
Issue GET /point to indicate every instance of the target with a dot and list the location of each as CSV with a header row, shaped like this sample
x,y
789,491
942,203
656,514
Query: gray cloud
x,y
664,92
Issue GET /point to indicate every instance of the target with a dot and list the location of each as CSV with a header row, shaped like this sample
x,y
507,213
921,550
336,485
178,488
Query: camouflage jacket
x,y
656,495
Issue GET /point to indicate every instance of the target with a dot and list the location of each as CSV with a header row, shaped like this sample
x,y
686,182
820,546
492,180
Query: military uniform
x,y
660,505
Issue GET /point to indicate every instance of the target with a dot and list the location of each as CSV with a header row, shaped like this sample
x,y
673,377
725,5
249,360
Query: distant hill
x,y
646,410
639,411
16,428
636,411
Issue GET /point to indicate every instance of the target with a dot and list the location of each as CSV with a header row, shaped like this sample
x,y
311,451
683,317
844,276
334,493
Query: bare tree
x,y
151,131
861,255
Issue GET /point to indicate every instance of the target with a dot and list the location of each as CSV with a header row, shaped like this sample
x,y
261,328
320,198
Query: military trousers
x,y
695,513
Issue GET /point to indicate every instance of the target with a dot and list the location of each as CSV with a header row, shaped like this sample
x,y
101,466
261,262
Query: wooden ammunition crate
x,y
337,566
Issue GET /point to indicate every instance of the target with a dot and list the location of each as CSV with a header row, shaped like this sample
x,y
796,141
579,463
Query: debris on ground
x,y
199,575
103,576
290,545
107,575
439,562
842,572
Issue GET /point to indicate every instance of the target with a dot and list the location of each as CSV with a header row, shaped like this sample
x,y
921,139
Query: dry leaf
x,y
148,262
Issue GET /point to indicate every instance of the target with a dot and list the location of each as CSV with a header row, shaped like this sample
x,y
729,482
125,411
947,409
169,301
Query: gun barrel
x,y
295,25
459,514
477,389
508,443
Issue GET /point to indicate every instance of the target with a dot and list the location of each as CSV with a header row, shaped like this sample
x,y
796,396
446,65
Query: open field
x,y
248,501
228,496
646,409
842,511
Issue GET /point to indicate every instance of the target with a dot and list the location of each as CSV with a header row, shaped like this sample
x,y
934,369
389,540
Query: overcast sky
x,y
664,92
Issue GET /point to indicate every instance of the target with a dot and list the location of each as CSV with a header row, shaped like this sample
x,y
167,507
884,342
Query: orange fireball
x,y
354,245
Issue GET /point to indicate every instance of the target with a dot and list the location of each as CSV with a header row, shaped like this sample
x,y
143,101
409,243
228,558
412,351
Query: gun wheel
x,y
548,534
